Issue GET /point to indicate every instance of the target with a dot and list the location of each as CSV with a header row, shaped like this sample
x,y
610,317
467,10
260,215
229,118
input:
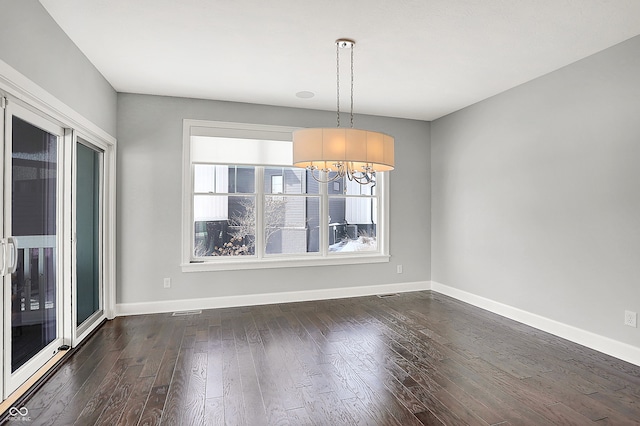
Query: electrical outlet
x,y
167,283
630,319
399,269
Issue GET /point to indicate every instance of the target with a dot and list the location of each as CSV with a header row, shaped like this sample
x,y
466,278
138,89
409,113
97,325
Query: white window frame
x,y
259,260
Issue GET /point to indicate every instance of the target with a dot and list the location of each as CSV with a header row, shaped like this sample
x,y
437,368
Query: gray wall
x,y
536,195
33,44
149,203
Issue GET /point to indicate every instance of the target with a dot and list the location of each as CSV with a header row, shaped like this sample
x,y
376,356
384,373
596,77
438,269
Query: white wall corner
x,y
591,340
20,86
123,309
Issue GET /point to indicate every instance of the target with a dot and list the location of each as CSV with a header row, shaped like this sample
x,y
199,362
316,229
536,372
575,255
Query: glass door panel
x,y
32,217
88,214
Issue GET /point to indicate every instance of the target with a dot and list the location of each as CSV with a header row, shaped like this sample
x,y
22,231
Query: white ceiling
x,y
418,59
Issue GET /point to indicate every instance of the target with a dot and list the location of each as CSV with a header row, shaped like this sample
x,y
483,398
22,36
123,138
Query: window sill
x,y
284,263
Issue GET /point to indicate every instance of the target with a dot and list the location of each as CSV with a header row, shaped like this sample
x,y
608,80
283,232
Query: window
x,y
246,207
276,184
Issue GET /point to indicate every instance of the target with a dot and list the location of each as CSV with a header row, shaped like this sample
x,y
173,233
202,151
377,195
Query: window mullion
x,y
382,226
324,217
259,194
192,221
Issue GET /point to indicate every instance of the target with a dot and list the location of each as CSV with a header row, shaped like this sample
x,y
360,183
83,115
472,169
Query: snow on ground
x,y
361,244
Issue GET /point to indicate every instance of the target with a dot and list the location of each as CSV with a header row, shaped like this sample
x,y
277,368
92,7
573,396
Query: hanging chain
x,y
338,83
352,48
343,44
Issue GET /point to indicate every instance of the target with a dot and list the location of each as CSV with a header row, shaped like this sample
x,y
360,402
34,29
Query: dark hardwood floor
x,y
417,358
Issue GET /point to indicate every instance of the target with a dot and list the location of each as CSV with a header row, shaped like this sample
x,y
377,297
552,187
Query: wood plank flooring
x,y
413,359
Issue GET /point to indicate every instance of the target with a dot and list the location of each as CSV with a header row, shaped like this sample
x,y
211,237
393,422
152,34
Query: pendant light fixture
x,y
343,152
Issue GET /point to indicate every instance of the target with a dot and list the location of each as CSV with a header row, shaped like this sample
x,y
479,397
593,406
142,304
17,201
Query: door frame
x,y
79,333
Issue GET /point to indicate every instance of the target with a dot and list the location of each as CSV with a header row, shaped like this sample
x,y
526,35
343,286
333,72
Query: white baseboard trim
x,y
123,309
591,340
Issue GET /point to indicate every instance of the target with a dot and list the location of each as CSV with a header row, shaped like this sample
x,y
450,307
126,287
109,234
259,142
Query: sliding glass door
x,y
31,244
57,230
88,236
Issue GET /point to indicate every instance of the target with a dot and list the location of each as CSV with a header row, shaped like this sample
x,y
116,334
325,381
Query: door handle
x,y
12,241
